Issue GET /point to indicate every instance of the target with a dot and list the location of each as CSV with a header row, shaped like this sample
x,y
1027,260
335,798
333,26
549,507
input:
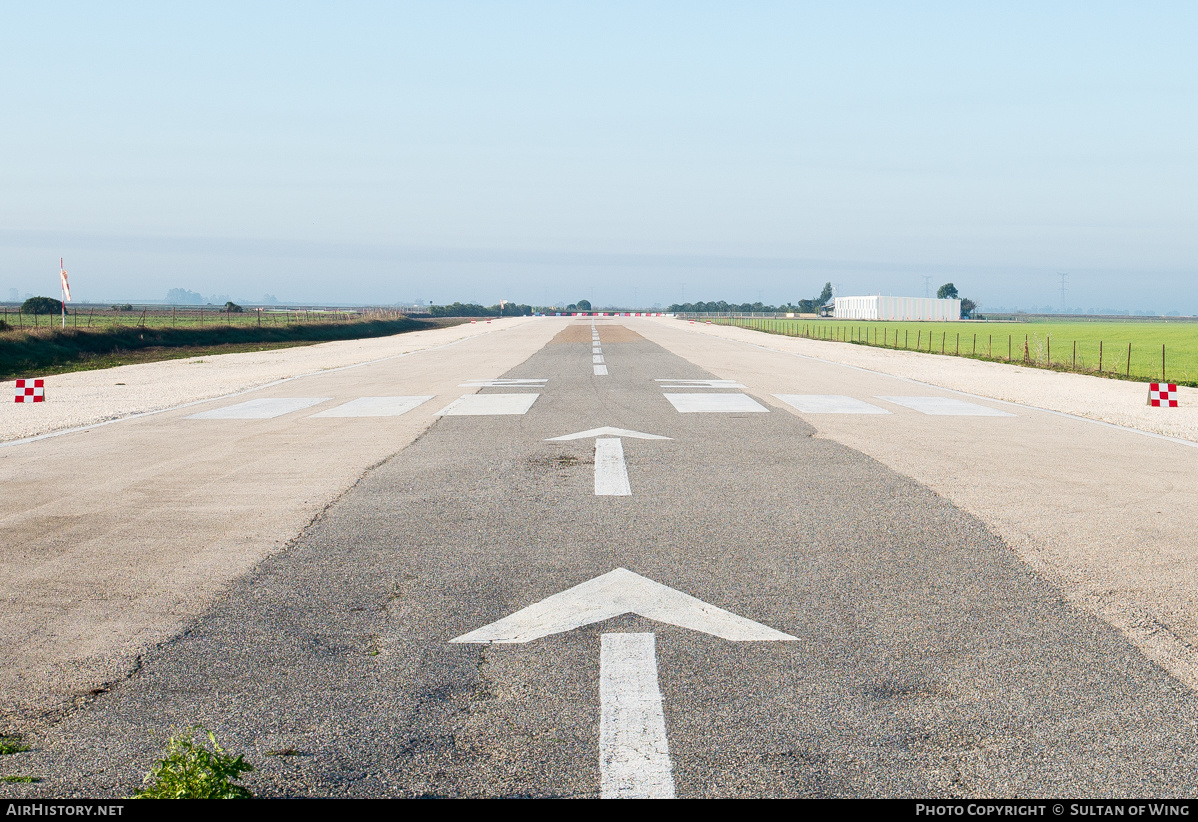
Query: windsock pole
x,y
66,290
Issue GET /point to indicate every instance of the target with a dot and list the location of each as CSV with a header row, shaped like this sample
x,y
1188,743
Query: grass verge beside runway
x,y
1100,348
44,351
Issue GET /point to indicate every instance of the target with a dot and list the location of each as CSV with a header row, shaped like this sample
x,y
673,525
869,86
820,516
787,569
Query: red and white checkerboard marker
x,y
1162,395
31,391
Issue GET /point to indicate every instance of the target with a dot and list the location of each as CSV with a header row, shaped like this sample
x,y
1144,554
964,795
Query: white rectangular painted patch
x,y
504,383
601,371
263,409
714,403
946,407
700,384
634,756
611,475
596,358
829,404
486,405
374,407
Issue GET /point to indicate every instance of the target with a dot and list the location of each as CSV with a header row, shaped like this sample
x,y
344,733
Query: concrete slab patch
x,y
715,403
374,407
486,405
946,407
829,404
261,409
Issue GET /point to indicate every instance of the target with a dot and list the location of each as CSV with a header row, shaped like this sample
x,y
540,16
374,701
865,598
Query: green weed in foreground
x,y
29,779
11,745
195,770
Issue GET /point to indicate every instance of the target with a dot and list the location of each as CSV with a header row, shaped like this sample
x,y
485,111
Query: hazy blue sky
x,y
378,152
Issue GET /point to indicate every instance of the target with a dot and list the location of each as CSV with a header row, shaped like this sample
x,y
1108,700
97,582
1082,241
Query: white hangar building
x,y
896,308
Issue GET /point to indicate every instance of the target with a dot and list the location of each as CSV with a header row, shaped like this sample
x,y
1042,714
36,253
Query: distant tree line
x,y
475,310
810,306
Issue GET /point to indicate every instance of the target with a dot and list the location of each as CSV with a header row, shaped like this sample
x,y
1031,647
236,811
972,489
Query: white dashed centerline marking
x,y
596,358
374,407
611,475
601,371
263,409
829,404
946,407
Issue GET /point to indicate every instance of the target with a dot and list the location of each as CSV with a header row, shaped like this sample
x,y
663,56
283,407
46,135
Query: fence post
x,y
1048,341
1100,356
1128,374
1074,366
1162,363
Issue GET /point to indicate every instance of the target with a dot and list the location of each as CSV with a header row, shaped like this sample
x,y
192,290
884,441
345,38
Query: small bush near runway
x,y
1109,348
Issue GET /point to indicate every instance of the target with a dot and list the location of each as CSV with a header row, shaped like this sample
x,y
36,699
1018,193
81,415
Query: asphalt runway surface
x,y
927,659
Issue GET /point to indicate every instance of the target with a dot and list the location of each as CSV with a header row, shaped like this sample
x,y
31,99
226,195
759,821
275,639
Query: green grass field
x,y
1072,345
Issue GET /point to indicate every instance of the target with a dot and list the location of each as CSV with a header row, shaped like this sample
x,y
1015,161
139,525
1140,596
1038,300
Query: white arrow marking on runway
x,y
607,431
611,474
634,757
611,595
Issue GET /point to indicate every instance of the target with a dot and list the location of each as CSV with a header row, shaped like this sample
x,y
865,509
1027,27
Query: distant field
x,y
120,338
993,340
102,316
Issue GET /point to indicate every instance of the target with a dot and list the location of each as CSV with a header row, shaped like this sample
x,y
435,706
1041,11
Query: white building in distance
x,y
896,308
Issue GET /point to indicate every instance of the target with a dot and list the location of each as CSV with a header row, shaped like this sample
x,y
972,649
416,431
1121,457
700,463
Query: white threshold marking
x,y
262,409
375,407
701,384
634,755
242,392
829,404
715,403
596,358
503,383
946,407
611,475
484,405
601,371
